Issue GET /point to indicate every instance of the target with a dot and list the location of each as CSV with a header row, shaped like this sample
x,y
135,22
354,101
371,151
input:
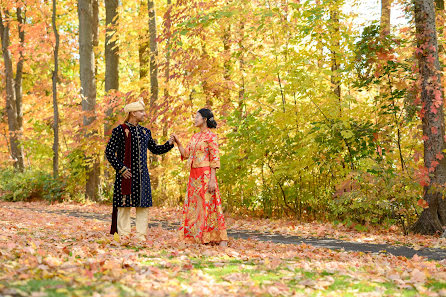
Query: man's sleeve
x,y
157,149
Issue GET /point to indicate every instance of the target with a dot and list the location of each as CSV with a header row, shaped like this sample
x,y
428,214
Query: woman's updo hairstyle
x,y
209,116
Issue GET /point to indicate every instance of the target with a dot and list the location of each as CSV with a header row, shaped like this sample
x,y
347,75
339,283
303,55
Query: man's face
x,y
140,115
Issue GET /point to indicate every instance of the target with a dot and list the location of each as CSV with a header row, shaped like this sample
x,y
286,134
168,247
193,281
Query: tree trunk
x,y
143,51
167,70
153,47
335,76
153,56
241,92
14,118
431,219
19,71
111,52
227,67
385,17
55,107
88,86
111,46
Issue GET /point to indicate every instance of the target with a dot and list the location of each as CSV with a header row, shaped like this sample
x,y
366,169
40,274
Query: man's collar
x,y
130,124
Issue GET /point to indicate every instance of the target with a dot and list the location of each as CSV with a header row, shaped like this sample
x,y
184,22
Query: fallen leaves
x,y
77,254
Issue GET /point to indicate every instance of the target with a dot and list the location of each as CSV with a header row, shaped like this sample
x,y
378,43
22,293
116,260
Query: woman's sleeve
x,y
112,148
214,153
157,149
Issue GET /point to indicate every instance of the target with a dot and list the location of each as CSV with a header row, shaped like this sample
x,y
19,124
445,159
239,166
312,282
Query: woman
x,y
203,219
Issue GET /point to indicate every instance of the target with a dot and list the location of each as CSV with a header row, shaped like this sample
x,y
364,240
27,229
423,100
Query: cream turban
x,y
135,106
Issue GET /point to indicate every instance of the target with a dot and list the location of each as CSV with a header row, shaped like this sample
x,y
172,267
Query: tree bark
x,y
19,70
111,46
241,92
385,17
167,69
432,218
143,50
153,55
227,67
335,76
111,52
55,107
153,48
14,118
88,86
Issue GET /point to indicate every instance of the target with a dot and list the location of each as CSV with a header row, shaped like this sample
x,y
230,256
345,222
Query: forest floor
x,y
65,249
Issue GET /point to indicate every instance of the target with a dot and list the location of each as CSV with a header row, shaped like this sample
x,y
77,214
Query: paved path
x,y
334,244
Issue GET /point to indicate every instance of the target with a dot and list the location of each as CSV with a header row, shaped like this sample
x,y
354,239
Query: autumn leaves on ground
x,y
47,253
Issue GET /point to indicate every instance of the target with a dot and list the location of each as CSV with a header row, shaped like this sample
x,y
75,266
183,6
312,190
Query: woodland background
x,y
320,118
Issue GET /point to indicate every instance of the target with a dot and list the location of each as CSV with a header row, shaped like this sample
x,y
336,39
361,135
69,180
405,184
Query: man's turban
x,y
135,106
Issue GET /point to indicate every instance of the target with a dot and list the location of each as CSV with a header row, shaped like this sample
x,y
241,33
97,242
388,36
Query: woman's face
x,y
199,120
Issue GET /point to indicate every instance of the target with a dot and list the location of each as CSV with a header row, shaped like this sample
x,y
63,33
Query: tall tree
x,y
153,68
55,107
111,46
433,217
153,55
385,17
143,48
168,25
13,100
88,86
19,70
241,92
334,51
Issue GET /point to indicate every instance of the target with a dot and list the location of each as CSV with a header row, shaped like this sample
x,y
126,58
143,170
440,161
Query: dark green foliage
x,y
31,184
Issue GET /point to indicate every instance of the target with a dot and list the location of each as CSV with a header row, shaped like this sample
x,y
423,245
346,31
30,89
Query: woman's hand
x,y
212,186
177,140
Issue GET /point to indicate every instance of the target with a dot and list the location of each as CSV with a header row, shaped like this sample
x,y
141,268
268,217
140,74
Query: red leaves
x,y
423,203
434,130
422,176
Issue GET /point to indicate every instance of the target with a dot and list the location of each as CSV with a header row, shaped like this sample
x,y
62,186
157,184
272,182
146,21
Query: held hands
x,y
172,138
177,140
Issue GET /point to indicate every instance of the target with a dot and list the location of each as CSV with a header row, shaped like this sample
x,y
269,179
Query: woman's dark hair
x,y
209,116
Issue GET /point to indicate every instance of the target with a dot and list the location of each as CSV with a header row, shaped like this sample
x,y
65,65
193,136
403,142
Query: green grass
x,y
436,285
223,270
51,288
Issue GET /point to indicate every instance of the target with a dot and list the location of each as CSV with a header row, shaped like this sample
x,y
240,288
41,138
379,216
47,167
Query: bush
x,y
28,185
377,197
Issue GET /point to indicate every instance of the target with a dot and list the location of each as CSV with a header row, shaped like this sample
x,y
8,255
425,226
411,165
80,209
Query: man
x,y
127,153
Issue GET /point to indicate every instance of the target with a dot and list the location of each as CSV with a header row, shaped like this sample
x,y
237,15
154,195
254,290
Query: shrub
x,y
28,185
